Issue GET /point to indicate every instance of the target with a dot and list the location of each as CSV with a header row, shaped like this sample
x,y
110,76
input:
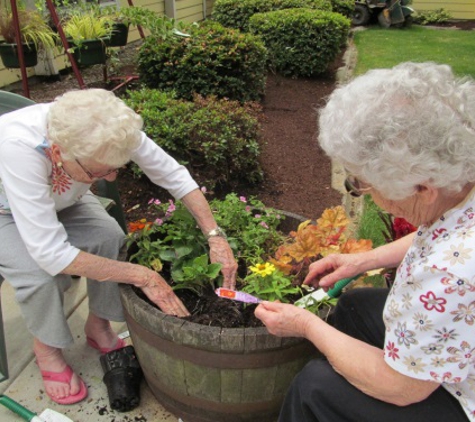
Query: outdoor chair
x,y
108,195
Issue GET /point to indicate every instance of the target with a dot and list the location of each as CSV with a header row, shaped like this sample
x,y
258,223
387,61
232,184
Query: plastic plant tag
x,y
236,295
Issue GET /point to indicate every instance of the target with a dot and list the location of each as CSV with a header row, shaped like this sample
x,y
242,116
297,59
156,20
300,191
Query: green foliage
x,y
236,13
432,16
268,283
370,225
221,134
87,25
344,7
250,225
301,42
213,60
33,27
175,240
380,48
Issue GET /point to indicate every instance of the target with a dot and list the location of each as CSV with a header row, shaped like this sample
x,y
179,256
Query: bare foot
x,y
51,359
100,331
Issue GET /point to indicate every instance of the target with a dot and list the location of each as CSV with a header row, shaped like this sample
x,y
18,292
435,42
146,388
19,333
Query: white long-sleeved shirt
x,y
33,189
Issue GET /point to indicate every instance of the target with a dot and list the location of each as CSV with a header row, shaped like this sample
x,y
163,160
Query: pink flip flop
x,y
119,345
65,378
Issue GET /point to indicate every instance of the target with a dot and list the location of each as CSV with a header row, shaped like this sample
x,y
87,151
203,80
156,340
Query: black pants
x,y
319,394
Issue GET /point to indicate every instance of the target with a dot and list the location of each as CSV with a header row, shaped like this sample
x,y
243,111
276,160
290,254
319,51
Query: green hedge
x,y
345,7
214,60
216,139
236,13
301,42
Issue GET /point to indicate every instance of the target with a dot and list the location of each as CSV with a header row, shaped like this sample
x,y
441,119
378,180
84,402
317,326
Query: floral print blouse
x,y
430,311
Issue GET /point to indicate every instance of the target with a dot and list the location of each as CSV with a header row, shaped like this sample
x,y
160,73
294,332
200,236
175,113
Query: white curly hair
x,y
94,123
401,127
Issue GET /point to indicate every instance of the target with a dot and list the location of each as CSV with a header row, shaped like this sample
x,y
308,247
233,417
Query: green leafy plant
x,y
174,241
268,283
301,42
87,25
236,13
175,245
432,16
209,60
221,133
33,27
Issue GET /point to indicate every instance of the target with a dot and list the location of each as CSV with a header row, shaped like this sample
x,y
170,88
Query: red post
x,y
65,43
21,59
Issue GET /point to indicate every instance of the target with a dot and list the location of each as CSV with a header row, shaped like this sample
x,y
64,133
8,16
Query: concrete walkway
x,y
25,385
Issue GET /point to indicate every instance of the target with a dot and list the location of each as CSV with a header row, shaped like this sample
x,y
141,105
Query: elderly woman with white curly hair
x,y
406,136
52,226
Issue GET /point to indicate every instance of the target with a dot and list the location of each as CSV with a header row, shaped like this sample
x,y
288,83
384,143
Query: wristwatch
x,y
218,231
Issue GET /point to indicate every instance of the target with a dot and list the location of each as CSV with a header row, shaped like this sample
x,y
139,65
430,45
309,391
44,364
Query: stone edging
x,y
352,205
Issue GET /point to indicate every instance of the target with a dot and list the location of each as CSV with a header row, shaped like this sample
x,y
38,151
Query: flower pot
x,y
120,33
212,374
90,52
9,55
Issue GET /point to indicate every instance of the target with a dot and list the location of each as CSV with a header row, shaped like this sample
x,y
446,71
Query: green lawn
x,y
383,48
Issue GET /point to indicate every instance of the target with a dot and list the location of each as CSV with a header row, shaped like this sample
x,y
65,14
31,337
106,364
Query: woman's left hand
x,y
220,252
284,320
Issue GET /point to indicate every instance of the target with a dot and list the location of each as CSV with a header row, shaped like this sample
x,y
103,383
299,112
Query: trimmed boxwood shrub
x,y
301,42
236,13
214,60
216,139
345,7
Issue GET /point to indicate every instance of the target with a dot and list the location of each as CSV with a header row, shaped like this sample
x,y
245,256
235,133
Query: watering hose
x,y
21,411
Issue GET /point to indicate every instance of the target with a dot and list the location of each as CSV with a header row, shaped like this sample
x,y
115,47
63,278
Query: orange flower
x,y
135,226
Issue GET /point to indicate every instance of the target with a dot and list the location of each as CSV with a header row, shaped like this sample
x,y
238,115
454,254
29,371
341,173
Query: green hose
x,y
21,411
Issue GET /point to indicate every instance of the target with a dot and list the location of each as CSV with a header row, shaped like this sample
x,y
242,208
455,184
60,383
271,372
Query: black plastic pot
x,y
9,55
120,34
122,376
90,52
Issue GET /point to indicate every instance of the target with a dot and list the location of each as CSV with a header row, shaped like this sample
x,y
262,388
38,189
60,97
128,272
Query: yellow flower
x,y
263,269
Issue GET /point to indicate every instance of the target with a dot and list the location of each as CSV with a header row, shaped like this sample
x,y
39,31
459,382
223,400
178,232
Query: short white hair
x,y
401,127
94,124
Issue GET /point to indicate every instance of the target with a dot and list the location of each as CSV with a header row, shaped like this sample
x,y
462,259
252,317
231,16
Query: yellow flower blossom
x,y
263,269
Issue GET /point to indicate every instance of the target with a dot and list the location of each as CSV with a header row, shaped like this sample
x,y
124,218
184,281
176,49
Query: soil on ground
x,y
297,172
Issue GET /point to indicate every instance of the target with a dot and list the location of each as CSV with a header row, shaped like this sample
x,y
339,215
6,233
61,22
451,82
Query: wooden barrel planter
x,y
212,374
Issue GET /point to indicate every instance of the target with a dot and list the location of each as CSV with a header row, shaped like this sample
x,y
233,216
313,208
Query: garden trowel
x,y
48,415
321,295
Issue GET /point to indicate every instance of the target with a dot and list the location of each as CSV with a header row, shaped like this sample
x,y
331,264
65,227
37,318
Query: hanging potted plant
x,y
225,368
35,33
88,34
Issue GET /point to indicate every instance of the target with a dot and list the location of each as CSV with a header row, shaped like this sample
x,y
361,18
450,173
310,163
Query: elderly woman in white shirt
x,y
52,227
406,136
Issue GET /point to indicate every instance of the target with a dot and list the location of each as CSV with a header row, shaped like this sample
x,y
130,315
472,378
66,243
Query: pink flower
x,y
203,189
151,201
158,221
263,224
171,207
242,199
248,208
258,216
392,350
431,302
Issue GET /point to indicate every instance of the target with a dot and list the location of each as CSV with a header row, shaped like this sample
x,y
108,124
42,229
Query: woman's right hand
x,y
160,293
327,271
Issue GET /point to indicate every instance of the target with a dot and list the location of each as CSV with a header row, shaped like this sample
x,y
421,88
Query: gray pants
x,y
39,294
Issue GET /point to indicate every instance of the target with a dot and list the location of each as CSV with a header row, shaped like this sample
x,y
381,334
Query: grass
x,y
383,48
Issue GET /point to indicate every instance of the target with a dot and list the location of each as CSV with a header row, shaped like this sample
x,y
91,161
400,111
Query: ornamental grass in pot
x,y
35,33
225,367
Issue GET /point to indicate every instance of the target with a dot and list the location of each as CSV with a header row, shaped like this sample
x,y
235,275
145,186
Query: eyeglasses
x,y
95,176
355,187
